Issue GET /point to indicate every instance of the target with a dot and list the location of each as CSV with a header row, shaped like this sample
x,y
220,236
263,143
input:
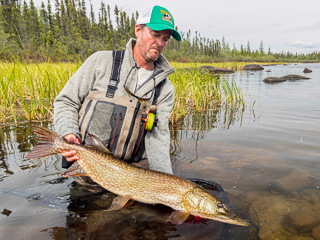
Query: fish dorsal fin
x,y
94,142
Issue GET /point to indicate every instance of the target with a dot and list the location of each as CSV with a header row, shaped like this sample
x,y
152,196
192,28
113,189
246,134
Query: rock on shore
x,y
253,67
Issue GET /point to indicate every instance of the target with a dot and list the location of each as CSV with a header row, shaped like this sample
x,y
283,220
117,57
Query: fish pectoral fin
x,y
119,202
129,203
178,217
74,170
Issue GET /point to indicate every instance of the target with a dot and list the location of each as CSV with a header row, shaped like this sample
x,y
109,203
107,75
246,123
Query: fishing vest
x,y
119,122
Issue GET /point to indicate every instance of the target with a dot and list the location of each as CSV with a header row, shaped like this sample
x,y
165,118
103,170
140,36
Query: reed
x,y
27,91
200,90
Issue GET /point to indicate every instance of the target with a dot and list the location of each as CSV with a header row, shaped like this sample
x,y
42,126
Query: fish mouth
x,y
231,219
237,221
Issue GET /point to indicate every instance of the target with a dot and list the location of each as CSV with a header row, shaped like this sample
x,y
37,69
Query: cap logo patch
x,y
166,16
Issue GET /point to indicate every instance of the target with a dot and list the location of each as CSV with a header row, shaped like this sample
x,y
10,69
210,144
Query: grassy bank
x,y
27,91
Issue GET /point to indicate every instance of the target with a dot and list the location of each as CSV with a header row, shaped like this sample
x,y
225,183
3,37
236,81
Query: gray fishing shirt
x,y
94,75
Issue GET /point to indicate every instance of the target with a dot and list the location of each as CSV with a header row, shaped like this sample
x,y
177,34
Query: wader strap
x,y
114,79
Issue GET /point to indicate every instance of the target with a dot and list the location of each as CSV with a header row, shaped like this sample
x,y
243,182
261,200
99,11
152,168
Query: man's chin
x,y
153,57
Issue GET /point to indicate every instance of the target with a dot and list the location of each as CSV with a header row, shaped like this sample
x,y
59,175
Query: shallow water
x,y
267,158
267,155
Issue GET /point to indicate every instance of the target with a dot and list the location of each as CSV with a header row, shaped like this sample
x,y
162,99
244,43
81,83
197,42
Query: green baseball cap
x,y
158,18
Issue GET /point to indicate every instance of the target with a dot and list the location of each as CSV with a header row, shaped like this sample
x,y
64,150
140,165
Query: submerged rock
x,y
316,207
301,238
301,220
294,181
270,210
307,70
314,198
316,233
253,67
226,161
216,70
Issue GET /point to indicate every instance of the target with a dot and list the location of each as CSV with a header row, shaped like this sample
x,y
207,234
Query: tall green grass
x,y
27,91
200,90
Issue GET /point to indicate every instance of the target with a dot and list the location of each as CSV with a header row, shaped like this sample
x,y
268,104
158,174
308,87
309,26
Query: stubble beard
x,y
151,59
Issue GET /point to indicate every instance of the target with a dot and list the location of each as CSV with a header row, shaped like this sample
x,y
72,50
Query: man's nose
x,y
160,42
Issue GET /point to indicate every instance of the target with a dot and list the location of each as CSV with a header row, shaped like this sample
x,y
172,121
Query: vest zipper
x,y
142,135
115,130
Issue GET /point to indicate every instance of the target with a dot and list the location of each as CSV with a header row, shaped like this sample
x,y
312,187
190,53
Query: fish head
x,y
201,203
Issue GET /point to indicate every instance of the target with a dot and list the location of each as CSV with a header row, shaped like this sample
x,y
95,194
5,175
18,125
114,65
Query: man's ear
x,y
138,30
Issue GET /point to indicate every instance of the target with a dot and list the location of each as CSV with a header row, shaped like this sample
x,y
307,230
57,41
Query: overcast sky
x,y
282,25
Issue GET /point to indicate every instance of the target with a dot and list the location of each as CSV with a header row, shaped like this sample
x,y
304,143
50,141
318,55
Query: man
x,y
142,69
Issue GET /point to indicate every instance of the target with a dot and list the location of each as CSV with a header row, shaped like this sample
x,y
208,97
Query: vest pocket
x,y
96,120
116,123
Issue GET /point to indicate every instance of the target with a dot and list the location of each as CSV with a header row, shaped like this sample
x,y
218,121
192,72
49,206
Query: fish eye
x,y
220,205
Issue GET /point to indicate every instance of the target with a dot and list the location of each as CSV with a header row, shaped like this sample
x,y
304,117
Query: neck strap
x,y
116,67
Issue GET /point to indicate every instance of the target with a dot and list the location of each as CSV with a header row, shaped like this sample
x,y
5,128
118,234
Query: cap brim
x,y
159,27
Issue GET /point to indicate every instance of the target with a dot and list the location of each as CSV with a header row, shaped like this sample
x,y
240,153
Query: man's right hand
x,y
71,155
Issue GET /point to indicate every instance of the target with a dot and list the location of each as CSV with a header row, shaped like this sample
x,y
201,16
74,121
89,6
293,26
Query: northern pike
x,y
133,183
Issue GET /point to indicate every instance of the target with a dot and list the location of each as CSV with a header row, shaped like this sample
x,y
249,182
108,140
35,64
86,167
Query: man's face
x,y
151,43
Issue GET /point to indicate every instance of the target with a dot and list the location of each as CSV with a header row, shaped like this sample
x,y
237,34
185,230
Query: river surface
x,y
266,156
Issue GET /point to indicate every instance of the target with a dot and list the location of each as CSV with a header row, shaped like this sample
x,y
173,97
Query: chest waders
x,y
119,122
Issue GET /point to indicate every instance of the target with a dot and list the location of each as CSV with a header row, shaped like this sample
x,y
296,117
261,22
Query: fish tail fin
x,y
46,145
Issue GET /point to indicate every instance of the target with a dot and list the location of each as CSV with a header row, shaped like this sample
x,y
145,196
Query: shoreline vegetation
x,y
52,32
27,91
40,49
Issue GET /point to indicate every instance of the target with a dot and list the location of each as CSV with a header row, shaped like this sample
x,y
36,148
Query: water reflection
x,y
270,168
15,141
64,209
197,124
272,163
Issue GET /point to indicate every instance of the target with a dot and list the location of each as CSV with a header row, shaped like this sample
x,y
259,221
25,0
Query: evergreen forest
x,y
66,30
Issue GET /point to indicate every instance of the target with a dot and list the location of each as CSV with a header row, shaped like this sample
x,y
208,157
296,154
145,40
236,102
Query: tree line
x,y
72,32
